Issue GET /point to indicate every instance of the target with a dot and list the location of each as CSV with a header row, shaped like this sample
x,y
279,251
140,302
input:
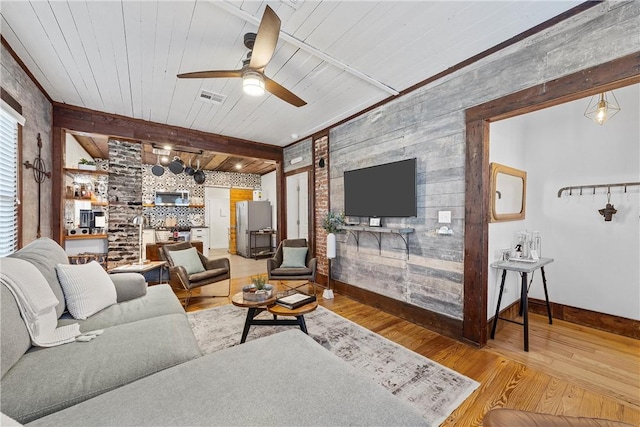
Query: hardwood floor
x,y
569,370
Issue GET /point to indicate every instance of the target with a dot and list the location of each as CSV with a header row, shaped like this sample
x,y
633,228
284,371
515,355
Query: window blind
x,y
8,183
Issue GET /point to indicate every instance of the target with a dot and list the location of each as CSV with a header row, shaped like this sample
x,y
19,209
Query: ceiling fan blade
x,y
266,40
211,74
282,93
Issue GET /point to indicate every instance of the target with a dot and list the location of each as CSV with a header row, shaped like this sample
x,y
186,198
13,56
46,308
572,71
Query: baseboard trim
x,y
433,321
605,322
453,327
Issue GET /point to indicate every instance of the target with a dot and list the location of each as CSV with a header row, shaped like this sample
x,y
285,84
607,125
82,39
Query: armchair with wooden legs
x,y
302,268
183,277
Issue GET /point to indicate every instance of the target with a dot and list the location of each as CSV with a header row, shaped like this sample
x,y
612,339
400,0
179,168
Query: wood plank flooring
x,y
569,370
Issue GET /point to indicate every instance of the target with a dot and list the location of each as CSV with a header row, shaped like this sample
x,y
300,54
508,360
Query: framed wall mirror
x,y
508,193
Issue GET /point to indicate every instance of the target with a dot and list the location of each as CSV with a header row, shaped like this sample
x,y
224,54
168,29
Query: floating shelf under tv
x,y
377,233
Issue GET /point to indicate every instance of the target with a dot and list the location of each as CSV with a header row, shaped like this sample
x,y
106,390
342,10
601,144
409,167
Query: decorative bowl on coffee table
x,y
252,293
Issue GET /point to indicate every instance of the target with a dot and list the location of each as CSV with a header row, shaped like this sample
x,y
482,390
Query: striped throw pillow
x,y
87,288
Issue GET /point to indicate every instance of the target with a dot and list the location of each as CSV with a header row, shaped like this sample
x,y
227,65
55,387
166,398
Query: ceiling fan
x,y
261,46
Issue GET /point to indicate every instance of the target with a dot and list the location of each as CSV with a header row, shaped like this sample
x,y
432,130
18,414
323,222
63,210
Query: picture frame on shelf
x,y
374,222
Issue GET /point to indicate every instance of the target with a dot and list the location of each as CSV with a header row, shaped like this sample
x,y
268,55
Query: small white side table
x,y
524,268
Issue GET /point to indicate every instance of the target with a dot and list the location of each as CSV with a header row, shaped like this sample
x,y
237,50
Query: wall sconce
x,y
601,109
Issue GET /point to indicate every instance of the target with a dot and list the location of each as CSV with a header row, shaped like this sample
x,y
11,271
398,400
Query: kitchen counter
x,y
172,228
153,249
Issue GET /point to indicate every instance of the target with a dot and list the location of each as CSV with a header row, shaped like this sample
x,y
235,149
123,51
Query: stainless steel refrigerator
x,y
252,216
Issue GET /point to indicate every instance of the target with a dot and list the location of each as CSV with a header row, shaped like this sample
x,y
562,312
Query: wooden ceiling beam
x,y
92,147
91,121
215,161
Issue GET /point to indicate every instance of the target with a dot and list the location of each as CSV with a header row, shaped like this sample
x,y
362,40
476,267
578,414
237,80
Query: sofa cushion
x,y
208,274
15,337
294,257
188,258
158,301
45,254
87,288
283,379
47,380
129,285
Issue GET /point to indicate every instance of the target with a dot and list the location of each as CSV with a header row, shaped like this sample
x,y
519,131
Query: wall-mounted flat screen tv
x,y
387,190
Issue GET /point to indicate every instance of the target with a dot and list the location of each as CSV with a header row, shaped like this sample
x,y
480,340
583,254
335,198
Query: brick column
x,y
321,150
125,186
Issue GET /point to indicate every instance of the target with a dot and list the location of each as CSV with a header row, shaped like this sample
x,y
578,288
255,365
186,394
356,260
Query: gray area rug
x,y
435,390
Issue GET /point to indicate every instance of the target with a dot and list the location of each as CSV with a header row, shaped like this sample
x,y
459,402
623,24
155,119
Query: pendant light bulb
x,y
600,109
601,115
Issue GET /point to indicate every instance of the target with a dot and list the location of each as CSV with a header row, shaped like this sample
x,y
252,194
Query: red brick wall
x,y
321,188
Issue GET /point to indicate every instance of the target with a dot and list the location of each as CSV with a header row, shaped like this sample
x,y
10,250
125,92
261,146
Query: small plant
x,y
333,222
258,281
84,161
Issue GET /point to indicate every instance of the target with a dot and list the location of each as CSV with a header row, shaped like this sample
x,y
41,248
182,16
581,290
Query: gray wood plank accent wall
x,y
303,149
36,109
429,124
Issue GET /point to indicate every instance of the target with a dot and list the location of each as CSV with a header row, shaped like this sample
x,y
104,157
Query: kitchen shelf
x,y
86,237
73,171
78,178
83,199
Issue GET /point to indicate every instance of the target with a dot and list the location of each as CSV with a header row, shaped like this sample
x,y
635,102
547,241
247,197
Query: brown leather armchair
x,y
215,270
276,272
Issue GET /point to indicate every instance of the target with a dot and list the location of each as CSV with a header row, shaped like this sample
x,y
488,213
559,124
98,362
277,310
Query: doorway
x,y
614,74
217,202
297,188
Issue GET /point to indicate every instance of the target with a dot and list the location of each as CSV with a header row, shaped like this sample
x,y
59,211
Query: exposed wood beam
x,y
92,147
91,121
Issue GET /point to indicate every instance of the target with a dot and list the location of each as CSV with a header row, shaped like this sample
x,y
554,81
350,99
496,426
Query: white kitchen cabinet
x,y
201,234
148,237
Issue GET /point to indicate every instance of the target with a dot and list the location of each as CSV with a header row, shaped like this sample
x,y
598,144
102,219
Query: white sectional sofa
x,y
146,369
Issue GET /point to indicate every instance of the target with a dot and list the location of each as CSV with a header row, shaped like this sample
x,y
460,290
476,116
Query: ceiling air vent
x,y
210,97
293,3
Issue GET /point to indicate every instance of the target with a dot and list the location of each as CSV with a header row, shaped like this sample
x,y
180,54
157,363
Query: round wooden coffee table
x,y
256,308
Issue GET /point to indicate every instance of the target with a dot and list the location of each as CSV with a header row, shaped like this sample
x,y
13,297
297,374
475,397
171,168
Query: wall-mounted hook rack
x,y
594,186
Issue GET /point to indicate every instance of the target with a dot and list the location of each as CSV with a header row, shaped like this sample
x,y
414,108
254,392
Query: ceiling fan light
x,y
253,83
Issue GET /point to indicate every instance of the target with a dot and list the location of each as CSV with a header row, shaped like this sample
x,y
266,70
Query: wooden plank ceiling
x,y
122,57
97,147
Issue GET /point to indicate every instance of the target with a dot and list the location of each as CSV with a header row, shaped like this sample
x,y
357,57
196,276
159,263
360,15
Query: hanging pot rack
x,y
608,186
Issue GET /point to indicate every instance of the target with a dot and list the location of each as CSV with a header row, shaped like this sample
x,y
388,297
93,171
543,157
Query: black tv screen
x,y
387,190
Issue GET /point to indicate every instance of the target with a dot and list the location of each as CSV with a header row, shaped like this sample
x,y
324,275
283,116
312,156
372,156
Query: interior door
x,y
217,216
298,206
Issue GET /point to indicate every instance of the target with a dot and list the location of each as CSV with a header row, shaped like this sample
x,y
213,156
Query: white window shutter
x,y
8,183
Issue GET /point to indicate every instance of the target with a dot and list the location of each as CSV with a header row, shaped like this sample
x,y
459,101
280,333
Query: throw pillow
x,y
189,259
294,257
87,288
